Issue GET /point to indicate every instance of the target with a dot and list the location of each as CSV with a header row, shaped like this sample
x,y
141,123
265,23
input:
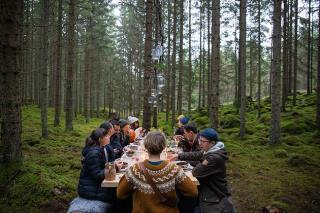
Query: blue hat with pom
x,y
184,120
210,134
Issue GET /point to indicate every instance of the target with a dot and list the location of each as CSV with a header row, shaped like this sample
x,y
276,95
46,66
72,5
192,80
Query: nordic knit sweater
x,y
167,176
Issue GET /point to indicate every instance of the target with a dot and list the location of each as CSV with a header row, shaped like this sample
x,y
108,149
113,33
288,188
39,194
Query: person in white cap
x,y
134,125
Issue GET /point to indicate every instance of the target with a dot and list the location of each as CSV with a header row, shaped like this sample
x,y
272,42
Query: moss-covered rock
x,y
230,121
298,161
292,140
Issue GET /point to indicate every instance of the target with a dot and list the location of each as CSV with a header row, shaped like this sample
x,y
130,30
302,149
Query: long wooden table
x,y
115,182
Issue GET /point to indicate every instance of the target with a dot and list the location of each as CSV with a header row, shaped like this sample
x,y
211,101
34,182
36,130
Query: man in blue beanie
x,y
214,193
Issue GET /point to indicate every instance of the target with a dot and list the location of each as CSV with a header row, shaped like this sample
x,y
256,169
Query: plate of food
x,y
130,153
182,164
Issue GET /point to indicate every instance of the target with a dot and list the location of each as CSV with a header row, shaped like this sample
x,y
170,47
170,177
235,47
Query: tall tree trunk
x,y
190,63
57,106
242,65
215,57
276,73
180,59
11,13
173,67
200,60
284,58
44,67
86,79
70,66
309,51
295,53
259,58
250,66
147,66
208,55
318,74
236,67
290,49
168,63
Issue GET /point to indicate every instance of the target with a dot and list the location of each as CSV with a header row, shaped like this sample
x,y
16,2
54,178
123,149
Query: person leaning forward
x,y
214,194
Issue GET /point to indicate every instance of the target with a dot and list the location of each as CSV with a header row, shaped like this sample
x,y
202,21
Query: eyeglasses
x,y
203,141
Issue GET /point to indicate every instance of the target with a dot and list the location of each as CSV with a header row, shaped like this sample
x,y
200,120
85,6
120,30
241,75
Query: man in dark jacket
x,y
214,194
190,146
115,139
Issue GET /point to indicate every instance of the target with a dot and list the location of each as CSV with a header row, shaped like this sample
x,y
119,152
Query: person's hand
x,y
178,138
205,162
173,157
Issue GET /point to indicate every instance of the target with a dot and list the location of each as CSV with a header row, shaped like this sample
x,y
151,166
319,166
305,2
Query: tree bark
x,y
259,59
11,13
44,67
215,57
180,59
200,60
242,66
190,63
276,74
70,66
168,63
86,79
284,58
309,90
147,66
318,74
295,54
57,106
173,67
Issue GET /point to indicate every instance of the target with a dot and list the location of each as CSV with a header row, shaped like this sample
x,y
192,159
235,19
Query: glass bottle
x,y
111,171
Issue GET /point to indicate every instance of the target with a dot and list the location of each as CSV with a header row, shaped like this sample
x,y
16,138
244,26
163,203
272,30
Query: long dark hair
x,y
95,135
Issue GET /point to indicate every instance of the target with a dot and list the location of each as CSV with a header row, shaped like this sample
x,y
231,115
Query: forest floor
x,y
259,174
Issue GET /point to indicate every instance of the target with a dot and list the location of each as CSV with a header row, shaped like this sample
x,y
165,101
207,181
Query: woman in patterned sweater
x,y
166,176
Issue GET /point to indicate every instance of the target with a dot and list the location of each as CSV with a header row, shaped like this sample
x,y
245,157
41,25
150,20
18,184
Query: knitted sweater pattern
x,y
165,178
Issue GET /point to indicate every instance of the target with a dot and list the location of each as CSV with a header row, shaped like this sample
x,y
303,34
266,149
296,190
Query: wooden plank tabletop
x,y
115,182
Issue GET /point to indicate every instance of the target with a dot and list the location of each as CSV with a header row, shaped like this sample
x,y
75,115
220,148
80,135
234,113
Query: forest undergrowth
x,y
259,174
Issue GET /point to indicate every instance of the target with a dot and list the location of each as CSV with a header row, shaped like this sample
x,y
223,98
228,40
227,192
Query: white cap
x,y
132,119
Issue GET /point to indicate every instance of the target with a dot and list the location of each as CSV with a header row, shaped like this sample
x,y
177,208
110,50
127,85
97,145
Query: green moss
x,y
229,121
259,174
292,140
281,153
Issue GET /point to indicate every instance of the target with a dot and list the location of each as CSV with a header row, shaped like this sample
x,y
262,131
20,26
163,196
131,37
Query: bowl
x,y
182,164
130,153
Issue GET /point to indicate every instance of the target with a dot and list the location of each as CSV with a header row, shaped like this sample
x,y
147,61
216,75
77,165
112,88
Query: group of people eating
x,y
154,185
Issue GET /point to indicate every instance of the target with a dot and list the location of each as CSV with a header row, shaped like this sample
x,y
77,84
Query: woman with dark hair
x,y
92,197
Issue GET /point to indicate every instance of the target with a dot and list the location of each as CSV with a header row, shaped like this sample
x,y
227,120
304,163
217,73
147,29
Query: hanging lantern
x,y
160,80
150,100
157,52
153,92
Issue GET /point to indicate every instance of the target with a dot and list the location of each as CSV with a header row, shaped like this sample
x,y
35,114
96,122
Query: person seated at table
x,y
178,135
134,125
214,193
124,132
115,139
154,182
189,145
110,153
92,197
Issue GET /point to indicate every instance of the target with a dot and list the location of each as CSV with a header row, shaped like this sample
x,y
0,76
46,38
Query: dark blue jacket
x,y
92,175
116,145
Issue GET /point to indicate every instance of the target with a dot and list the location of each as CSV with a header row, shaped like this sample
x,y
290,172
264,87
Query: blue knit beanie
x,y
210,134
184,120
